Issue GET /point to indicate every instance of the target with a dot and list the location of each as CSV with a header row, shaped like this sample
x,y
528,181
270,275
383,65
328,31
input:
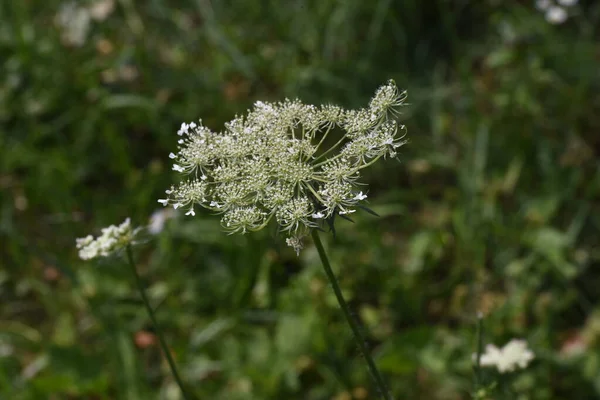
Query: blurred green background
x,y
493,207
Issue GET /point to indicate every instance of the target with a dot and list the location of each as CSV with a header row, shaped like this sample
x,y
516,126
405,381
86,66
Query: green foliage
x,y
494,206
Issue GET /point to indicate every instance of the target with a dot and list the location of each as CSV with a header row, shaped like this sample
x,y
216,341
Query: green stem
x,y
161,339
329,150
477,381
351,321
323,138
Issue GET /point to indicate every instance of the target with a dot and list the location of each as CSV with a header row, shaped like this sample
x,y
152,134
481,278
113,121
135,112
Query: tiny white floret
x,y
360,196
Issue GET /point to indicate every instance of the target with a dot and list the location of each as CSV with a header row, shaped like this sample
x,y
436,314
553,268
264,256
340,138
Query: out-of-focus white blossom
x,y
513,355
101,9
74,19
6,349
113,239
556,15
555,11
74,23
158,219
295,163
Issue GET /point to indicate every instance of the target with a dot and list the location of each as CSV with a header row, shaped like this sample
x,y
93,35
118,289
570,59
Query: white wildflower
x,y
6,349
513,355
101,9
74,23
294,163
555,11
75,20
113,239
556,15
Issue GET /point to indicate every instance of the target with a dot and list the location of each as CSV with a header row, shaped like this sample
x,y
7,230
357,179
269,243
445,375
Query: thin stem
x,y
161,339
351,321
329,150
477,381
309,186
323,138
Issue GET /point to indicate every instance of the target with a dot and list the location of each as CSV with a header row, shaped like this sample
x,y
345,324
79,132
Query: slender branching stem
x,y
329,150
351,321
161,339
323,138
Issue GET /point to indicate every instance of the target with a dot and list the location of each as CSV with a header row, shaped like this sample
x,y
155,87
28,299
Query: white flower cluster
x,y
555,11
506,359
296,163
113,239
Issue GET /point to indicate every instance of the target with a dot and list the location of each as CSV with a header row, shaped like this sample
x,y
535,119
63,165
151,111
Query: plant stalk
x,y
379,383
161,339
478,379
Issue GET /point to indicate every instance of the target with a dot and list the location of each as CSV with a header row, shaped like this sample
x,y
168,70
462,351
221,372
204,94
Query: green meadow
x,y
492,208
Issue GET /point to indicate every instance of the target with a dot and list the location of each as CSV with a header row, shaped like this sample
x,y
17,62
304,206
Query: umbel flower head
x,y
294,163
113,239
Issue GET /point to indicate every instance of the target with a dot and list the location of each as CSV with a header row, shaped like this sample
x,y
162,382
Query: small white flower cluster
x,y
113,239
555,11
506,359
296,163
